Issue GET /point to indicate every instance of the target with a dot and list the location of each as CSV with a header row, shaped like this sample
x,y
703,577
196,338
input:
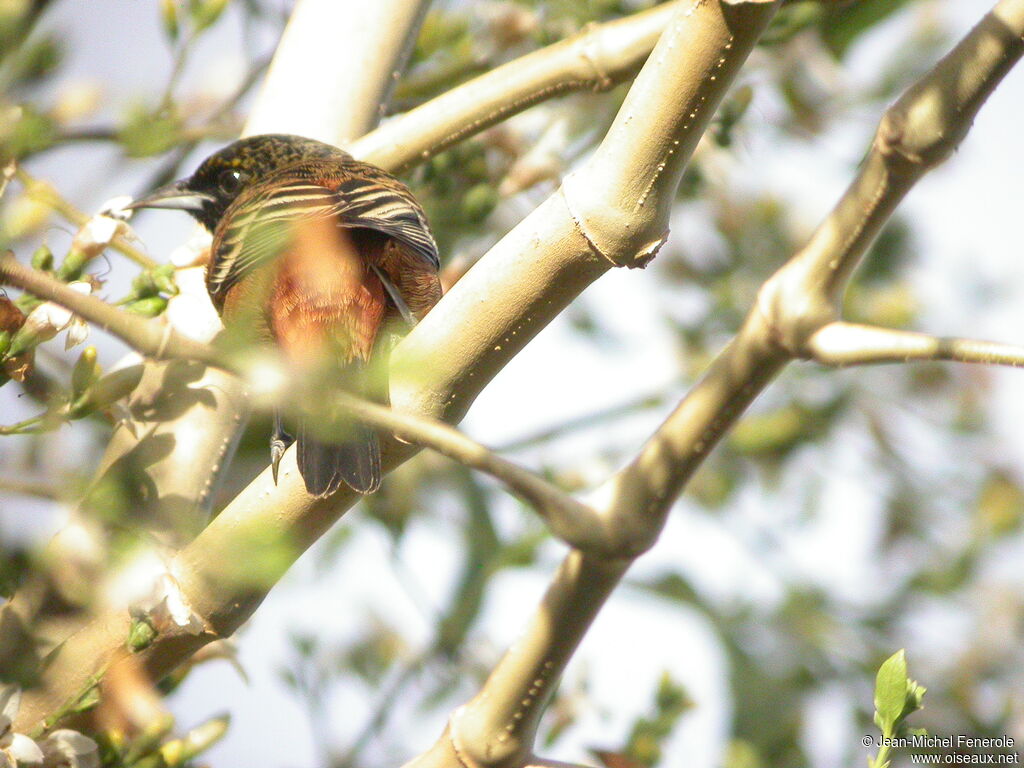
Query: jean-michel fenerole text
x,y
960,741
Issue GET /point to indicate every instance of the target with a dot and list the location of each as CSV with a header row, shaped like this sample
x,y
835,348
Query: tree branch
x,y
150,337
920,130
637,498
574,523
844,344
335,93
595,59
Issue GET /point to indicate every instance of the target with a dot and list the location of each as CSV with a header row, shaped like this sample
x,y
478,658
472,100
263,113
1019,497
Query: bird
x,y
322,256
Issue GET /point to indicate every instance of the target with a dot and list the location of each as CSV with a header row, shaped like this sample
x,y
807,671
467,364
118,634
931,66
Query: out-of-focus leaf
x,y
372,655
713,484
36,60
1000,505
845,22
791,20
888,253
776,432
204,13
674,587
169,19
648,734
740,753
25,130
144,133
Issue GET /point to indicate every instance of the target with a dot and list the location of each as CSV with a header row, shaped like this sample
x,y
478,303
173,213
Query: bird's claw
x,y
279,442
277,448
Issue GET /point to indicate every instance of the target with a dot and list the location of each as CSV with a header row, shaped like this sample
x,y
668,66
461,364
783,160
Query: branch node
x,y
615,255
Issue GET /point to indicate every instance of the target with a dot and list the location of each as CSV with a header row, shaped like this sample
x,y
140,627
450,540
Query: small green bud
x,y
141,634
106,391
163,279
85,373
73,265
28,337
206,12
42,258
150,306
169,18
197,741
143,285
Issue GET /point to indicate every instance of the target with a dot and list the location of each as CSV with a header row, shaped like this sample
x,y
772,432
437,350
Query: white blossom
x,y
98,231
65,748
115,208
48,319
16,749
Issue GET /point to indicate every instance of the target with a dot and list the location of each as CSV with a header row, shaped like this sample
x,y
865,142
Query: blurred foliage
x,y
939,527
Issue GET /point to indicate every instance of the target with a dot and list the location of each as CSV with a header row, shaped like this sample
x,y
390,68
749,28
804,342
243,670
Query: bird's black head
x,y
221,177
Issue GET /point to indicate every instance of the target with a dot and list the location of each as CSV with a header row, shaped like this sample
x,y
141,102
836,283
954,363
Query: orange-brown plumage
x,y
317,253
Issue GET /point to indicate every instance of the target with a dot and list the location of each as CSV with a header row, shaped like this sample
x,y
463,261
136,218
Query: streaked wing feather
x,y
378,203
255,229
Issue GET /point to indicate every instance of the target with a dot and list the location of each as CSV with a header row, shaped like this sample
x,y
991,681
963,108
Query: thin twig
x,y
150,337
845,344
569,520
48,195
37,488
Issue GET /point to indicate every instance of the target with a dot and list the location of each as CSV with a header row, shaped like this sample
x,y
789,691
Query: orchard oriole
x,y
315,252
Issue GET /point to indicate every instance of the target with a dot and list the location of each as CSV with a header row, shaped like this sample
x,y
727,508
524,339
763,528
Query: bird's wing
x,y
368,197
257,226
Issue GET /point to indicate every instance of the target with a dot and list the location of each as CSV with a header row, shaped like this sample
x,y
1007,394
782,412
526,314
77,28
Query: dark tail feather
x,y
325,466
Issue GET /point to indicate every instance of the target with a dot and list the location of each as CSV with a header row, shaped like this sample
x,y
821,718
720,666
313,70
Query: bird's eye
x,y
230,181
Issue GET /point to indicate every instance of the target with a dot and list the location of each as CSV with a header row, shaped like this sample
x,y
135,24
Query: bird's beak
x,y
176,196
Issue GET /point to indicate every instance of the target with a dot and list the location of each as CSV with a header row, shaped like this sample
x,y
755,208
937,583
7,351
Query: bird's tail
x,y
355,461
353,457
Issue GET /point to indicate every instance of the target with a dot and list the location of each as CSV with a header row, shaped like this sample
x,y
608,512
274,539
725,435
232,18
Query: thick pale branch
x,y
595,59
335,92
842,344
638,497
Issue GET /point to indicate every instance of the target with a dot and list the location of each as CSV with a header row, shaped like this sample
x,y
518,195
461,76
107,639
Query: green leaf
x,y
891,689
846,23
206,12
